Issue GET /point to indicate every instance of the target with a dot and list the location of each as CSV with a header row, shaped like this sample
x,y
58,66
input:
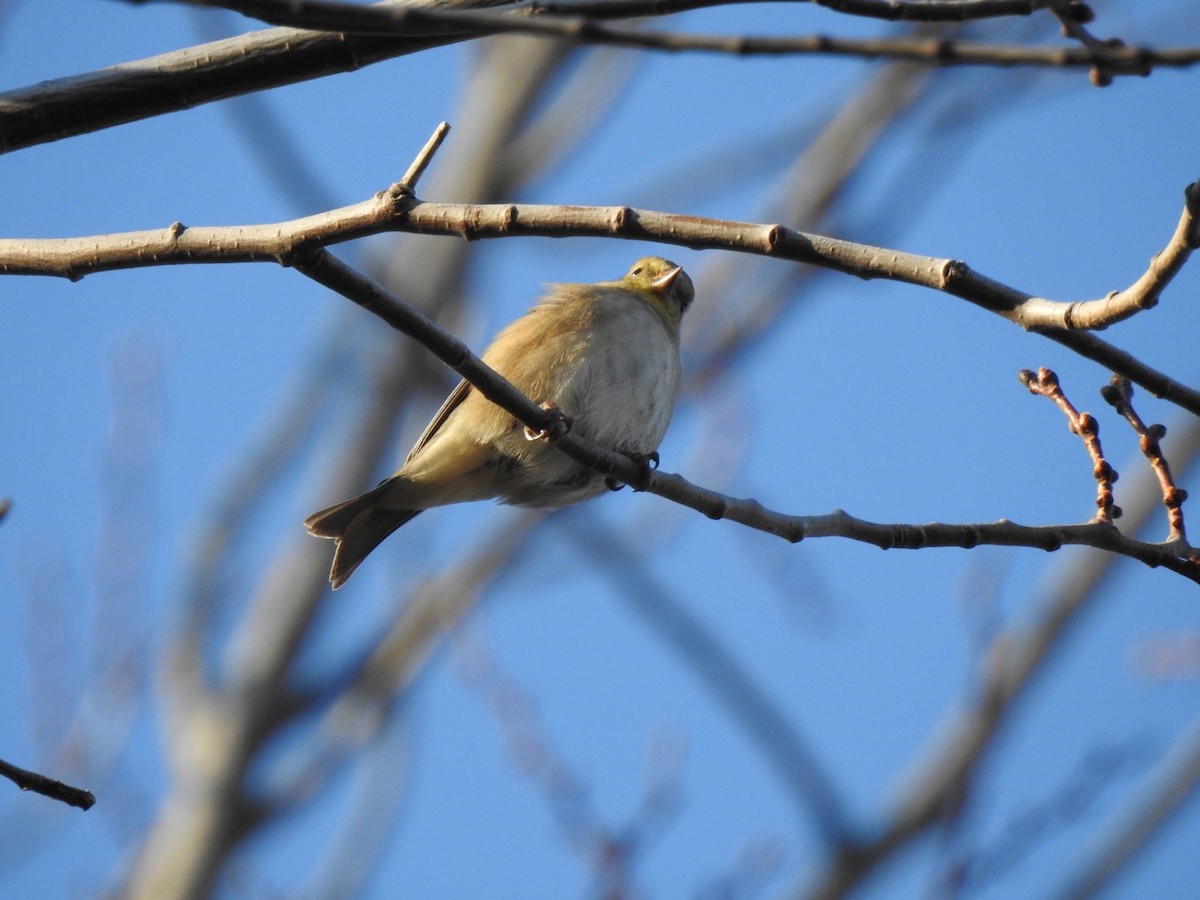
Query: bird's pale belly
x,y
620,395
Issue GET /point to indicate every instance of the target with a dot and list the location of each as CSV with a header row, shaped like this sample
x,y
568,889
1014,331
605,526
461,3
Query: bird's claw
x,y
649,460
561,425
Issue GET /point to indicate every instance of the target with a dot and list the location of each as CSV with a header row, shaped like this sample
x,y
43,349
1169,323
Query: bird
x,y
604,357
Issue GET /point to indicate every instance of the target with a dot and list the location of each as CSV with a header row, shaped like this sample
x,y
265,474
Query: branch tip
x,y
1119,395
1045,383
425,157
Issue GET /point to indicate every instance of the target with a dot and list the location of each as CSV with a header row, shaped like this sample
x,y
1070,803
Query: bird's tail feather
x,y
358,525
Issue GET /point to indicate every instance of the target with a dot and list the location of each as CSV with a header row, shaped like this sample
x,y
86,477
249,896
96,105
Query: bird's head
x,y
664,284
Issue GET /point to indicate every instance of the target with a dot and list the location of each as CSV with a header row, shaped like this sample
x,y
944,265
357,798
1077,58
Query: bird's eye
x,y
637,270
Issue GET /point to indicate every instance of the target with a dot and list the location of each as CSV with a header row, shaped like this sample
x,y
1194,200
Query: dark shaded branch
x,y
328,15
181,79
47,787
574,22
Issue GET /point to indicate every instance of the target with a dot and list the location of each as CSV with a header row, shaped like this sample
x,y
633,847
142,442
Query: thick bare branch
x,y
576,23
182,79
329,15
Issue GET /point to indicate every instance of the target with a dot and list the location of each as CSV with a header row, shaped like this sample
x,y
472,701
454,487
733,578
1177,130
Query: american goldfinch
x,y
606,355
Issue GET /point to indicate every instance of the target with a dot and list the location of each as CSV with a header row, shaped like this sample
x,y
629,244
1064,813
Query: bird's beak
x,y
663,284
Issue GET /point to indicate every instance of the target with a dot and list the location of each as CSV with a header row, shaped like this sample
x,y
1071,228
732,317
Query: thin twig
x,y
1119,395
1144,293
1045,383
47,787
425,157
1073,17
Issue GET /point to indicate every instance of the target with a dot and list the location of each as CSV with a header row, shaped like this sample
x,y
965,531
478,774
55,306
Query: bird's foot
x,y
561,425
648,461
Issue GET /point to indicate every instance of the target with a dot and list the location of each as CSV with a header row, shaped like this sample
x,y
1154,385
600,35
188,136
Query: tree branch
x,y
574,22
1045,383
942,773
182,79
323,267
397,209
1119,395
47,787
329,15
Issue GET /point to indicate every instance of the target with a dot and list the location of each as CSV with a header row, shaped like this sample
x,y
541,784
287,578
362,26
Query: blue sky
x,y
894,403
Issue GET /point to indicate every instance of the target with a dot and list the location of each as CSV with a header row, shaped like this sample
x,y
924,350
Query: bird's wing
x,y
457,396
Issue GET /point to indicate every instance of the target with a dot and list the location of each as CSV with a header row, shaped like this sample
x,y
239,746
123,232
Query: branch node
x,y
621,218
952,271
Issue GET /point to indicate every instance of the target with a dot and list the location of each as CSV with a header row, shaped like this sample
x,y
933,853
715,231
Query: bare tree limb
x,y
182,79
397,209
323,267
218,728
298,243
574,22
345,17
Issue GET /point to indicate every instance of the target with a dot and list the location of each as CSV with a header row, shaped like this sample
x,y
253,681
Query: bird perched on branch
x,y
605,355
